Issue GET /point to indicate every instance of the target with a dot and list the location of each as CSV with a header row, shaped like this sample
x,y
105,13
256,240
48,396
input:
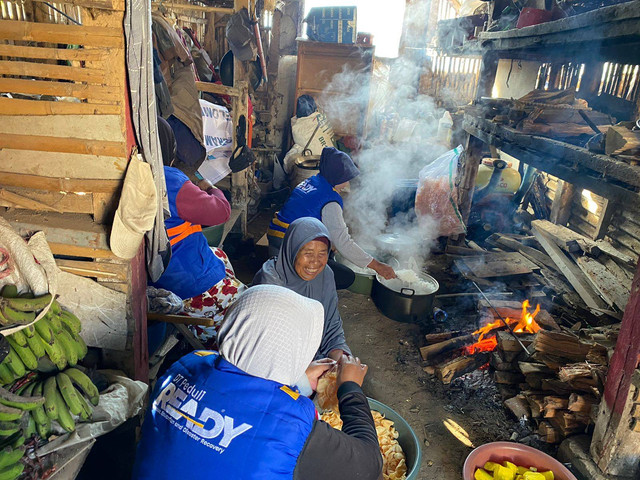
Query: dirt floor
x,y
469,408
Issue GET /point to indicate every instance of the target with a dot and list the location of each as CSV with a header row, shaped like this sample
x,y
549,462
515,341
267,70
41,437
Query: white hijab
x,y
272,332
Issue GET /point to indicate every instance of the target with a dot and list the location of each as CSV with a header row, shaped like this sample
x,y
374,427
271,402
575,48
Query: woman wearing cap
x,y
237,414
201,275
301,266
319,197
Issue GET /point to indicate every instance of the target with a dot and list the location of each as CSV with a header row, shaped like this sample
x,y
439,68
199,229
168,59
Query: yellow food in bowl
x,y
510,471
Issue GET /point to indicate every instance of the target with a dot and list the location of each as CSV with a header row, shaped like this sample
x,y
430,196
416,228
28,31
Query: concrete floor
x,y
395,378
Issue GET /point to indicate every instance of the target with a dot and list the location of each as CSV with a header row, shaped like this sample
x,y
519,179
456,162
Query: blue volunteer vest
x,y
307,200
209,419
193,268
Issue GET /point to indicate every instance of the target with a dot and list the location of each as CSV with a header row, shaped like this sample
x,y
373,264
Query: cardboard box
x,y
332,24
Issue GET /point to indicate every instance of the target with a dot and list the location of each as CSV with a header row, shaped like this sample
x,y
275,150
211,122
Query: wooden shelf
x,y
600,174
612,31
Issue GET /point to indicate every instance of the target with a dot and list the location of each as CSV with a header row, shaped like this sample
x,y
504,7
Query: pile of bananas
x,y
40,388
54,339
13,410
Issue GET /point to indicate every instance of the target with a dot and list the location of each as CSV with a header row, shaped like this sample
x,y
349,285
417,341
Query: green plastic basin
x,y
213,234
406,437
363,282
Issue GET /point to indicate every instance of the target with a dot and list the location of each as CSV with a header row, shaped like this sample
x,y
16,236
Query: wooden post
x,y
561,206
615,447
487,75
471,158
209,42
239,183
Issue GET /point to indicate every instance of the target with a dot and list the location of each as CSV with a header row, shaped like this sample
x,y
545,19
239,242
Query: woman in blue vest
x,y
201,275
319,197
237,414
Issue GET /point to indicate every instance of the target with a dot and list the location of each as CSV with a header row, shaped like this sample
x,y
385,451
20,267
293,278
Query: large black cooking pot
x,y
404,304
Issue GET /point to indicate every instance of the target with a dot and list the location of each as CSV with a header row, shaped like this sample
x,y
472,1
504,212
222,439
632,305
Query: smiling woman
x,y
312,258
301,266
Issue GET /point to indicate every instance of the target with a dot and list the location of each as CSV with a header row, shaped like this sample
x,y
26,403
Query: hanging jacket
x,y
209,419
193,268
307,200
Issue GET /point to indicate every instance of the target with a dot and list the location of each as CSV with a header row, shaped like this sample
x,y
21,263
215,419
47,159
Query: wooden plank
x,y
69,229
572,273
59,33
613,292
530,252
79,251
565,238
99,4
45,70
498,264
20,201
14,106
49,201
195,8
103,271
104,206
93,127
65,165
562,200
217,89
57,184
63,145
99,93
76,54
543,148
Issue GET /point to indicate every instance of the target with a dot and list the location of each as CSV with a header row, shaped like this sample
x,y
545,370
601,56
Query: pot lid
x,y
393,241
421,283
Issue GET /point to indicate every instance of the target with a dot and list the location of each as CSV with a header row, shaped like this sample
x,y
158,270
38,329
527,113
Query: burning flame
x,y
526,324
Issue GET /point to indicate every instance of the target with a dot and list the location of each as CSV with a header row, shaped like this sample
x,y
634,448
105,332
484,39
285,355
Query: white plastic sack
x,y
218,141
436,198
303,131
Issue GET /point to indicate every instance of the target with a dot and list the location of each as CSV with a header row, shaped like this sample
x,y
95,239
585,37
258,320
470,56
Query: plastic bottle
x,y
445,125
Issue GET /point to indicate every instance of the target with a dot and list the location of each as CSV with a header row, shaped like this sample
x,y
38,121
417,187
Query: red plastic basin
x,y
521,455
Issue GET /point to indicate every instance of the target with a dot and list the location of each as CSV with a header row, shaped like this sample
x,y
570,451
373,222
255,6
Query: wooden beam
x,y
471,159
100,94
59,33
64,165
614,447
605,282
562,201
98,4
77,54
572,273
14,106
21,201
59,184
63,145
47,201
217,89
180,7
92,127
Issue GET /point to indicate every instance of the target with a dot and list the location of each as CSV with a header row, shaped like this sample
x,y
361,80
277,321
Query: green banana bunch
x,y
20,310
64,399
55,336
10,465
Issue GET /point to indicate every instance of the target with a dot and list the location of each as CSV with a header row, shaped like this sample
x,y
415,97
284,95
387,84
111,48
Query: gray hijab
x,y
281,271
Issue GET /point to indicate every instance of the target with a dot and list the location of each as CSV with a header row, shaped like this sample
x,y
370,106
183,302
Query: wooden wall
x,y
63,131
451,81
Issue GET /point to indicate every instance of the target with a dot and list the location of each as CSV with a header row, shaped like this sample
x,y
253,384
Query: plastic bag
x,y
305,133
437,194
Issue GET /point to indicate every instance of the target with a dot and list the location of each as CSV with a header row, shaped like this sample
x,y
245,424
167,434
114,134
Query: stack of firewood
x,y
557,386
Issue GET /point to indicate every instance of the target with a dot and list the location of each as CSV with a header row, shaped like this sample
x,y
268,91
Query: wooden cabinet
x,y
337,76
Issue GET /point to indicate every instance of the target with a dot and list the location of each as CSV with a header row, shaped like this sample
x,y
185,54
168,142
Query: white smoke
x,y
400,139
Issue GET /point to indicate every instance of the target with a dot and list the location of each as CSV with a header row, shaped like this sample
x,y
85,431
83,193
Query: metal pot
x,y
404,304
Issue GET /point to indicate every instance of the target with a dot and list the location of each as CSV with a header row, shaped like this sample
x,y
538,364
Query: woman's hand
x,y
350,369
316,369
205,185
382,269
